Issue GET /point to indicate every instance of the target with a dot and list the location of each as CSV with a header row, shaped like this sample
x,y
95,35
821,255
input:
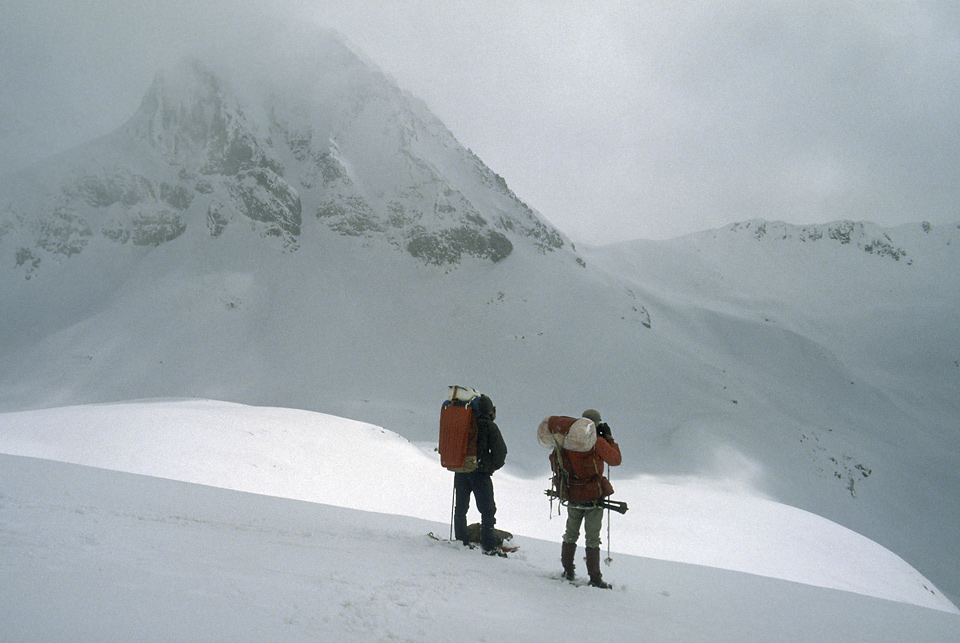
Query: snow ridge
x,y
305,456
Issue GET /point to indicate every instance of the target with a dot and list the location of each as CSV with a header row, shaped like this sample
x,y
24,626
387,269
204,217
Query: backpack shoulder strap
x,y
562,472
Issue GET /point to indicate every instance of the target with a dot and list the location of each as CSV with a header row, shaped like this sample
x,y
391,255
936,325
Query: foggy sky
x,y
615,120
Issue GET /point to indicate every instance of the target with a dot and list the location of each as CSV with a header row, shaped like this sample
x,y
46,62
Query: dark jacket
x,y
491,449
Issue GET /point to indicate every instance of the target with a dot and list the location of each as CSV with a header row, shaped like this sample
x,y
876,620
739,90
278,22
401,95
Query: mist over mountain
x,y
334,142
297,231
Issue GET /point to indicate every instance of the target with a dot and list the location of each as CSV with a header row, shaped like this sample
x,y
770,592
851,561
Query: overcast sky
x,y
616,120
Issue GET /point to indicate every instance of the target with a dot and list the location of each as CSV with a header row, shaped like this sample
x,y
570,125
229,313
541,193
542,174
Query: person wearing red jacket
x,y
585,485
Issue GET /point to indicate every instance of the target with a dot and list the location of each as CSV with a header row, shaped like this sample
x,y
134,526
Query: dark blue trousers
x,y
481,485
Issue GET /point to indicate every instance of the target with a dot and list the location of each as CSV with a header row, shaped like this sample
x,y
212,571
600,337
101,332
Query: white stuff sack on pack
x,y
461,394
573,434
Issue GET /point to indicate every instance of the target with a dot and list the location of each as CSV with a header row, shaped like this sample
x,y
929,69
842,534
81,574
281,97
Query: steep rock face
x,y
383,166
187,115
201,129
336,147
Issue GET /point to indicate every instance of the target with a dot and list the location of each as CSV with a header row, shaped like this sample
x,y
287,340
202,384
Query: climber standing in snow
x,y
491,455
585,486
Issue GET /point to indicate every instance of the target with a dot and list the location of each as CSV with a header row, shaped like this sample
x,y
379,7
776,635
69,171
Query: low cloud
x,y
616,121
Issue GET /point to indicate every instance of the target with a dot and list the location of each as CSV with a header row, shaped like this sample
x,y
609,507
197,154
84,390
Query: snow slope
x,y
93,555
834,347
312,458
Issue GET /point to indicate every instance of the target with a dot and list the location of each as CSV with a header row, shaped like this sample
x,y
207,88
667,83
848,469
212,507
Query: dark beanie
x,y
485,406
591,414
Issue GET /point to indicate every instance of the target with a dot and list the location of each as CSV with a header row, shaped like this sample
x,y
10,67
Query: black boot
x,y
593,568
567,552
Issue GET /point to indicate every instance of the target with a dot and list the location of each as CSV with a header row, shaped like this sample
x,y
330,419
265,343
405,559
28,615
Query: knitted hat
x,y
485,407
591,414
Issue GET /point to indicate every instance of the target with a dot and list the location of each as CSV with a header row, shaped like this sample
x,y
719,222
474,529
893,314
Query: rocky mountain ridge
x,y
355,156
865,236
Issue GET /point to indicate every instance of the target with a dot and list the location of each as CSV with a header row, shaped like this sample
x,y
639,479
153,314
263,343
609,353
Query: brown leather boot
x,y
567,552
593,568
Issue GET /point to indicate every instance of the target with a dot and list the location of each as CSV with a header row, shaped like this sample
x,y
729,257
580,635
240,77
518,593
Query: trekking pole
x,y
453,500
609,557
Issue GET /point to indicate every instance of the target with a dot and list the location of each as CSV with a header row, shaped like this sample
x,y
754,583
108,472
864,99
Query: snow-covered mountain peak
x,y
309,139
195,123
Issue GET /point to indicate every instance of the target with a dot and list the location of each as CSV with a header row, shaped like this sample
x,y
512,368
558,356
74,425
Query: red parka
x,y
585,481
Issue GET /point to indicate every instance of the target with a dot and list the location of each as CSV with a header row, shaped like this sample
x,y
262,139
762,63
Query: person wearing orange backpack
x,y
585,485
491,455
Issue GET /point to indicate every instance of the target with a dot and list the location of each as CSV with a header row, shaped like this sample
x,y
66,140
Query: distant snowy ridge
x,y
865,236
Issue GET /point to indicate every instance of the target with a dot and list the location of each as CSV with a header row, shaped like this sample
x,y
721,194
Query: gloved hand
x,y
603,430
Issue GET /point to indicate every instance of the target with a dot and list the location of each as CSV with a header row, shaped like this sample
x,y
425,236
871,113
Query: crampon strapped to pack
x,y
605,503
458,430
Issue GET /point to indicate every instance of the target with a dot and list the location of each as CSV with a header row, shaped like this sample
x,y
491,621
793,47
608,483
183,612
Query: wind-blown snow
x,y
91,554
